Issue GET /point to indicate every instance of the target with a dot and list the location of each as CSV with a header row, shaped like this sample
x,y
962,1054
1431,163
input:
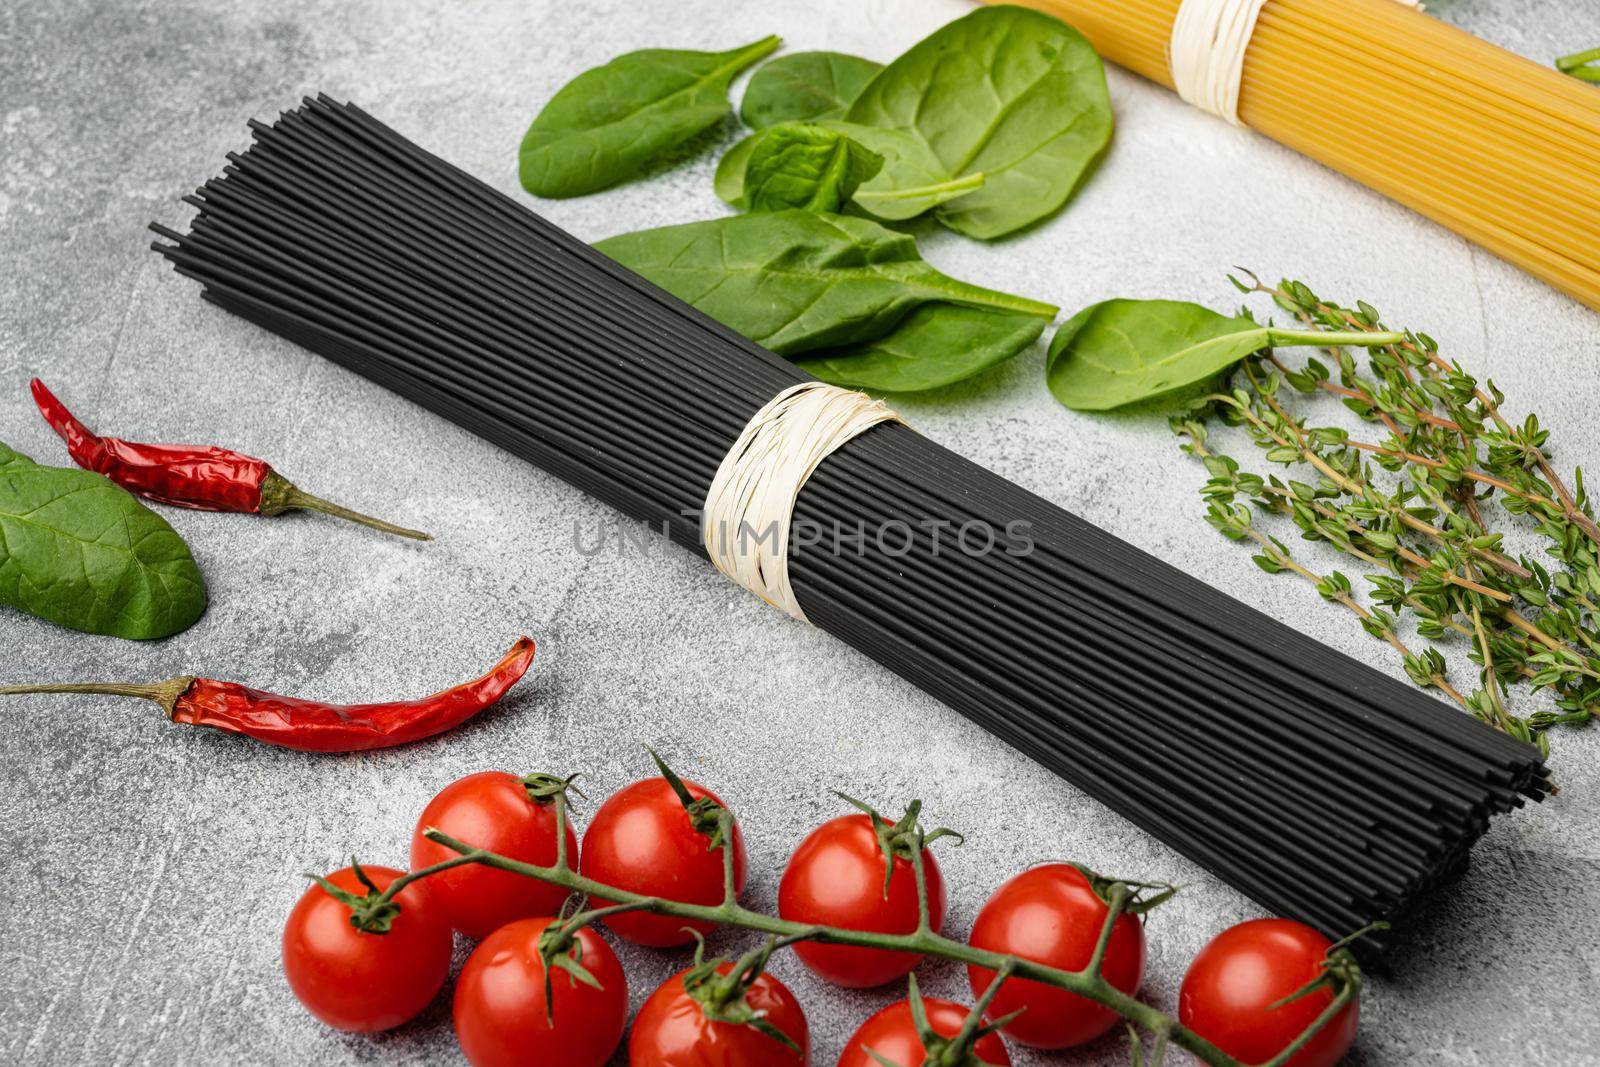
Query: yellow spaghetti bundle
x,y
1499,149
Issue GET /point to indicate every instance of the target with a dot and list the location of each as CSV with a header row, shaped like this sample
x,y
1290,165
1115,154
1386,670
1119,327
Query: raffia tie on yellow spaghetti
x,y
1206,52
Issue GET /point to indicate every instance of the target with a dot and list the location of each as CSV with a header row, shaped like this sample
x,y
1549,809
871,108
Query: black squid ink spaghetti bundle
x,y
1322,789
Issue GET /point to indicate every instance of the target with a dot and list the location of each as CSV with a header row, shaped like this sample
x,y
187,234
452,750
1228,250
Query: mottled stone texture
x,y
148,867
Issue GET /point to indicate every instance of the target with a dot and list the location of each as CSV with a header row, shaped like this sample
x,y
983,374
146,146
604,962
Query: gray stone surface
x,y
148,868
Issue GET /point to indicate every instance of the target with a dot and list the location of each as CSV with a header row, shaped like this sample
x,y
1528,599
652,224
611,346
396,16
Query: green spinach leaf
x,y
805,167
607,123
731,168
796,281
1012,94
1122,352
908,184
81,552
805,87
937,344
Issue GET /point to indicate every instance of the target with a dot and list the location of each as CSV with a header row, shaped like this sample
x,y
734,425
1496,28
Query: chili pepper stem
x,y
164,693
278,495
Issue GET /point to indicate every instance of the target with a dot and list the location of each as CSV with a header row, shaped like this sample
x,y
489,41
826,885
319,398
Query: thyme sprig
x,y
1416,502
1342,977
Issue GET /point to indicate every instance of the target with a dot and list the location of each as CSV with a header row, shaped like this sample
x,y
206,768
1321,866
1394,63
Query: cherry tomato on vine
x,y
500,1002
672,1029
513,816
1229,990
365,980
892,1034
835,878
655,837
1051,914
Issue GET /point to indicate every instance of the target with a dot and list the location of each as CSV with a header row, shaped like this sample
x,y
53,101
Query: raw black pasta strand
x,y
338,233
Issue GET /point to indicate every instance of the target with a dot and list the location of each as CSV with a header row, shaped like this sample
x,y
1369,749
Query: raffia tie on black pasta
x,y
1322,789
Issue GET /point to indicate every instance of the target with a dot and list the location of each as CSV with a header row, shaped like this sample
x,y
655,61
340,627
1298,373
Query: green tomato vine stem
x,y
1088,982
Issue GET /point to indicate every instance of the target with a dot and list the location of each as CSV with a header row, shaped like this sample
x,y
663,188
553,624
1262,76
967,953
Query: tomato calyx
x,y
375,911
705,814
1134,901
543,789
722,997
959,1050
902,839
560,948
1341,974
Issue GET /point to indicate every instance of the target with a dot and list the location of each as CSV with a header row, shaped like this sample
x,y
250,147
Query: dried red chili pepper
x,y
207,478
306,724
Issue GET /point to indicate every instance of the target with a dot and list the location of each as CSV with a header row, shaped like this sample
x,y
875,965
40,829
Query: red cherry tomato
x,y
672,1030
1051,915
355,980
642,840
1230,987
491,810
500,1003
835,878
892,1034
